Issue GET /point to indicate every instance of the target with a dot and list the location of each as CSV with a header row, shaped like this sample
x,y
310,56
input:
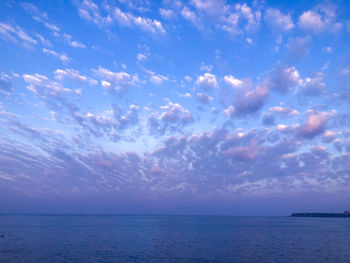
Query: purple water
x,y
103,238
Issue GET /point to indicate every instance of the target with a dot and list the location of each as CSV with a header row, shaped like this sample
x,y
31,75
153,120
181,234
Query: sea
x,y
166,239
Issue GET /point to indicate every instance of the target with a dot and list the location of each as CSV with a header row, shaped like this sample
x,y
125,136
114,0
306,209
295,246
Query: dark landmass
x,y
345,214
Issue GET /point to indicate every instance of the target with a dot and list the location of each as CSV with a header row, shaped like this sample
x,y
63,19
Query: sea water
x,y
137,238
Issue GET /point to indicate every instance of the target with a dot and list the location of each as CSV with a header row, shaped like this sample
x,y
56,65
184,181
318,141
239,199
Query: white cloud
x,y
158,79
328,49
141,57
314,86
145,24
283,78
322,18
191,16
16,34
166,13
207,81
44,41
188,78
106,15
62,57
173,118
174,112
63,74
41,85
284,111
204,98
229,111
70,42
116,81
311,20
232,81
90,11
185,95
278,20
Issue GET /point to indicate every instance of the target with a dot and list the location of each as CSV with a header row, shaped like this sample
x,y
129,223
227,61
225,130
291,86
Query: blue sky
x,y
201,106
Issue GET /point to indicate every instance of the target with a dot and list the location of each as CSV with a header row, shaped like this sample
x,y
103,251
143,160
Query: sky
x,y
174,107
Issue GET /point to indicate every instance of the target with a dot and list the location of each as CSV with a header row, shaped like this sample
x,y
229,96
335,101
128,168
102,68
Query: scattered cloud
x,y
207,81
314,86
321,18
249,100
65,74
204,98
278,20
283,78
173,118
315,124
62,57
284,111
166,13
232,81
119,82
106,15
16,34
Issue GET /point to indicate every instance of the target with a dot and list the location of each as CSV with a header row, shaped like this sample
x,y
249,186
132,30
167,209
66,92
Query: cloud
x,y
141,57
109,123
158,79
166,13
329,136
44,41
41,17
16,34
197,164
65,74
204,98
68,39
242,153
173,118
173,112
211,8
207,81
315,124
40,84
311,20
241,18
283,78
90,11
278,20
191,16
322,18
249,100
119,82
106,15
33,10
54,94
284,111
232,81
208,15
314,86
62,57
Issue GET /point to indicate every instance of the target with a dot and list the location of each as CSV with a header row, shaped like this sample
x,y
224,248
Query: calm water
x,y
50,238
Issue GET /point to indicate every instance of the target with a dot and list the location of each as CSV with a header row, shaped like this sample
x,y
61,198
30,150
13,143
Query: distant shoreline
x,y
321,215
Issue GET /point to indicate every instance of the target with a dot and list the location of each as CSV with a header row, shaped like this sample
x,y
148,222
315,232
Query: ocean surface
x,y
166,239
